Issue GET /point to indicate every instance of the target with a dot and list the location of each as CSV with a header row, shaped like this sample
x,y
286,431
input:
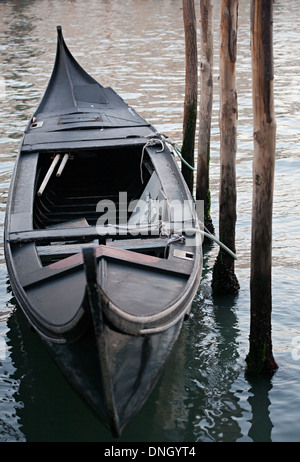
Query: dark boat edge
x,y
96,309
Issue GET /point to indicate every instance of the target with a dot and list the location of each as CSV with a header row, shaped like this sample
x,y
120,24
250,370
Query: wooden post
x,y
224,279
206,100
260,357
191,91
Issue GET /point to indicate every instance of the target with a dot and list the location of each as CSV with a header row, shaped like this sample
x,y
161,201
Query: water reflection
x,y
47,408
261,425
218,410
215,328
194,400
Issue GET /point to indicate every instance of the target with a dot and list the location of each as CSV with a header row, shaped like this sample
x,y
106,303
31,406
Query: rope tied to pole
x,y
178,152
158,138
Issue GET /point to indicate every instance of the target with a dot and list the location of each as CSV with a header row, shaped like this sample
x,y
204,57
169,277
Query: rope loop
x,y
152,141
158,136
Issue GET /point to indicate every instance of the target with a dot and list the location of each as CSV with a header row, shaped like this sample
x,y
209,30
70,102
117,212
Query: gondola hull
x,y
135,366
96,241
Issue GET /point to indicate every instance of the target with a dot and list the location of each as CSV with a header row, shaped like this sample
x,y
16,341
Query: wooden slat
x,y
122,256
84,234
58,250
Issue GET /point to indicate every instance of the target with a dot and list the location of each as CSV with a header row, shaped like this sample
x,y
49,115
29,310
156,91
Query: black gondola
x,y
102,241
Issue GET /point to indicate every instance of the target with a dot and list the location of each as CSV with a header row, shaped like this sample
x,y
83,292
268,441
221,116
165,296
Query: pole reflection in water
x,y
261,425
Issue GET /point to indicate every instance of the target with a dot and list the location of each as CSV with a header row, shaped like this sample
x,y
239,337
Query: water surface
x,y
137,48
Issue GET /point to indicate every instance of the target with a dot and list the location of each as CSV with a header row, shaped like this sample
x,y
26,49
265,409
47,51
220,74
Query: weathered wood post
x,y
224,279
260,357
205,111
191,91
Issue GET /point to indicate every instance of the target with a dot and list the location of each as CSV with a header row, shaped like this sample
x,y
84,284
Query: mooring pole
x,y
191,91
260,357
224,279
205,111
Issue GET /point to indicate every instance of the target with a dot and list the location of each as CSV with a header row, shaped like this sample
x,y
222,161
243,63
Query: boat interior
x,y
88,178
90,187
